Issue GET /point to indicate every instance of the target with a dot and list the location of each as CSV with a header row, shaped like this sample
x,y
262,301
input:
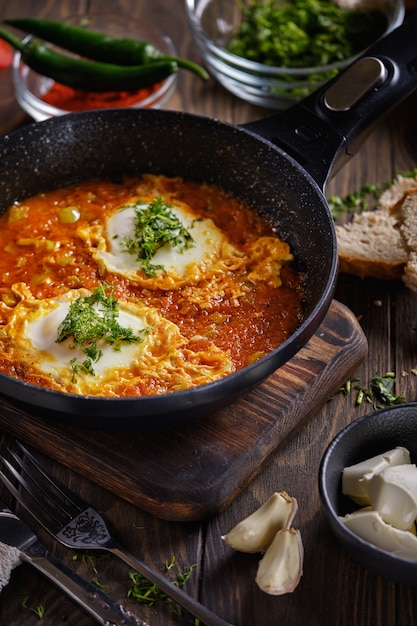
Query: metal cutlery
x,y
14,532
78,526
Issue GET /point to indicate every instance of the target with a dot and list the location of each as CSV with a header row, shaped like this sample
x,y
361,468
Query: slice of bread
x,y
394,193
372,245
383,243
408,228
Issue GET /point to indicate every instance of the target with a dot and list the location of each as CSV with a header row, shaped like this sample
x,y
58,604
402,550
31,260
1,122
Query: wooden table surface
x,y
334,590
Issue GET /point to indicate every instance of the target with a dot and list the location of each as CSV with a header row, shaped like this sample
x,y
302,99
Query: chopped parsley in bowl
x,y
273,52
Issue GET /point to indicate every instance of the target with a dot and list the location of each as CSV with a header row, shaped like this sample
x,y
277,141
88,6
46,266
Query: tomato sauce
x,y
39,246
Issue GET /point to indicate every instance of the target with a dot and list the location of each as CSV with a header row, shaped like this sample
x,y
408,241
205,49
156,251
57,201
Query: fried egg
x,y
163,356
209,253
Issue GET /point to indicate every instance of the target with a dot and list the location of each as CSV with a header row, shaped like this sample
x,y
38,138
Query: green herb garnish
x,y
91,319
155,225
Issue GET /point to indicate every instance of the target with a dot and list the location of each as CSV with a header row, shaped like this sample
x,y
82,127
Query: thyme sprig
x,y
91,319
155,226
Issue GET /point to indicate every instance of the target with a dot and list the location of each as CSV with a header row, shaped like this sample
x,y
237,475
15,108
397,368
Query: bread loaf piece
x,y
394,193
372,245
408,216
383,243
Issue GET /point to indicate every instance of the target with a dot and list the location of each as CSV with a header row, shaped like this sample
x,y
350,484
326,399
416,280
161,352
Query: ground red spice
x,y
69,99
6,54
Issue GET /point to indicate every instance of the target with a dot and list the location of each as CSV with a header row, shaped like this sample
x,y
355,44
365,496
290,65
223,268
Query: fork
x,y
14,532
78,526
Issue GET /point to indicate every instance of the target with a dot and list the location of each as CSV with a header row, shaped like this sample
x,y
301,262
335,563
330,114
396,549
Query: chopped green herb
x,y
145,592
38,610
303,33
89,561
383,388
155,225
95,581
91,319
363,199
380,393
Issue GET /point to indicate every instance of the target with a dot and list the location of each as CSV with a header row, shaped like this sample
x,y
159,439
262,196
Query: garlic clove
x,y
356,477
256,532
281,567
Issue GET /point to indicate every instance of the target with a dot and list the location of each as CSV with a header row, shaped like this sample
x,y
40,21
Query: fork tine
x,y
77,503
47,500
34,473
40,493
35,511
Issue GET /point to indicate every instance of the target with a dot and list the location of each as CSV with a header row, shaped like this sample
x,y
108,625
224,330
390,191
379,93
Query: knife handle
x,y
101,607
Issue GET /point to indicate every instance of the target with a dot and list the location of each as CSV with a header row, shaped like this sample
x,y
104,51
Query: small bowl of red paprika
x,y
42,97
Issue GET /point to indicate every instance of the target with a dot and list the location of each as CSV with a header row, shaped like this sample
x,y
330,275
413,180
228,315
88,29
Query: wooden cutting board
x,y
193,472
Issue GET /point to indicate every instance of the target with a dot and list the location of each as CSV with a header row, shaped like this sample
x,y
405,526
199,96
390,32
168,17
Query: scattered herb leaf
x,y
145,592
383,389
91,319
380,393
100,585
155,225
90,560
39,610
363,199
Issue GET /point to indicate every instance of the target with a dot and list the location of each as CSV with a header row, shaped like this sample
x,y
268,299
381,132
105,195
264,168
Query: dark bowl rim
x,y
344,534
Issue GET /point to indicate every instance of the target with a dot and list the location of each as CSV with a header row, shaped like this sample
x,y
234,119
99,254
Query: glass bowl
x,y
31,88
213,24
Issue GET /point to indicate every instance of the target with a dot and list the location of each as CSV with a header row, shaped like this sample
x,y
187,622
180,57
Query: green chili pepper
x,y
89,75
99,46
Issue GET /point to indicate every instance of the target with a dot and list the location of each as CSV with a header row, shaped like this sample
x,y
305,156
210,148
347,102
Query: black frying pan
x,y
279,166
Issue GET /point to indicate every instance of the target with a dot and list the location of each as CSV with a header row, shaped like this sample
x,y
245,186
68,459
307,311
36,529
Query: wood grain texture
x,y
194,472
334,590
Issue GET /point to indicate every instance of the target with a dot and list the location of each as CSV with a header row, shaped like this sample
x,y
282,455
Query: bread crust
x,y
382,243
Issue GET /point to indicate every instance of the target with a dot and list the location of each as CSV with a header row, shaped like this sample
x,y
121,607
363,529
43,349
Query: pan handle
x,y
324,131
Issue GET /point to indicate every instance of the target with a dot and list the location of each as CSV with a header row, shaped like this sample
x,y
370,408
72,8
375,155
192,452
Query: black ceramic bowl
x,y
364,438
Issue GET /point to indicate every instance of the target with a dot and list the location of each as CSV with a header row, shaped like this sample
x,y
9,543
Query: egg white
x,y
164,354
41,331
209,252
